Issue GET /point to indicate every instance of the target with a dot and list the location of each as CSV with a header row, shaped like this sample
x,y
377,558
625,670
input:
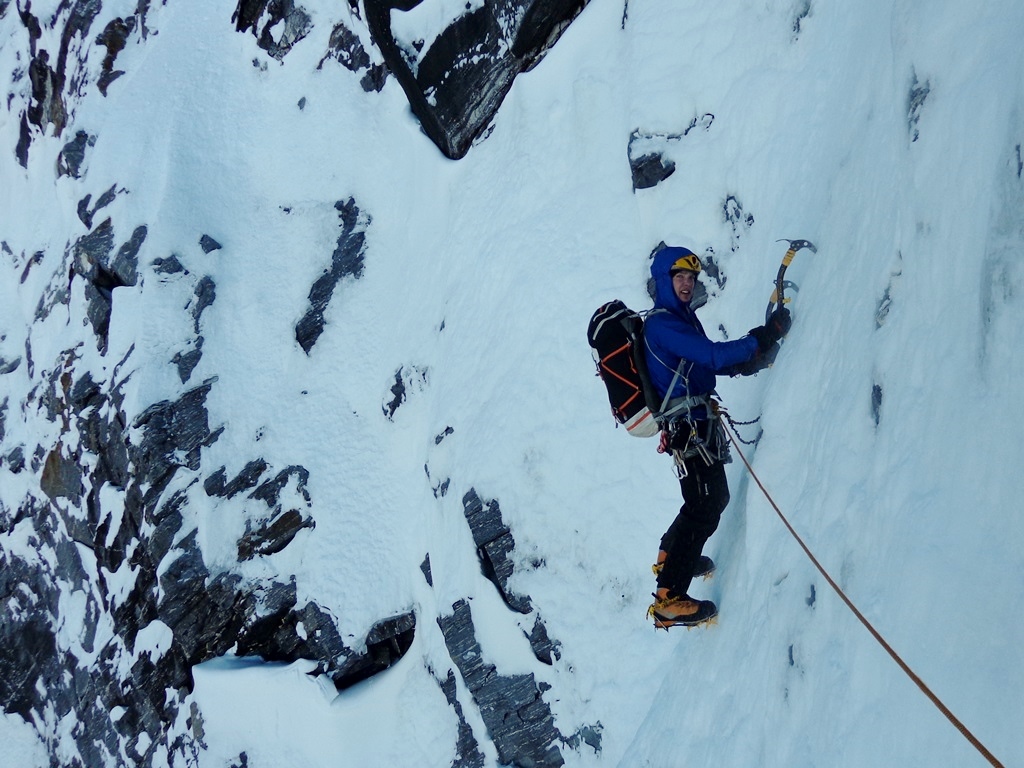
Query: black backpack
x,y
616,335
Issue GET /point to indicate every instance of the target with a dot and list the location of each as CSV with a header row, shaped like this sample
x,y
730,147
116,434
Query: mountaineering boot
x,y
704,568
668,611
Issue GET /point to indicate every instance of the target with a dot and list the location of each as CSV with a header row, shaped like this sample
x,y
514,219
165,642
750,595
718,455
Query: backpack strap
x,y
664,410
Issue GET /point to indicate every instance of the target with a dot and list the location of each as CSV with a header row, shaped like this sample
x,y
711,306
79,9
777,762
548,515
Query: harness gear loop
x,y
964,731
683,437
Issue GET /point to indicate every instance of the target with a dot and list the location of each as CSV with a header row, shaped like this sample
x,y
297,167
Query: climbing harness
x,y
685,438
680,420
860,616
778,297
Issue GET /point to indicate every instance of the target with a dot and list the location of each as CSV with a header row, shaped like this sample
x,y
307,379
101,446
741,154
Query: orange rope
x,y
867,624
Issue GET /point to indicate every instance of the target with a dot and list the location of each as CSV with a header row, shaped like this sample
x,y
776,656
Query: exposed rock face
x,y
468,754
72,157
120,666
408,378
346,261
203,295
346,48
285,24
518,719
107,599
114,37
55,74
113,527
273,531
649,153
104,271
650,169
494,544
456,82
118,689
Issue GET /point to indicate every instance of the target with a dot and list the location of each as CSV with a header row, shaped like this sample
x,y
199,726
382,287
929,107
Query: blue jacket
x,y
677,334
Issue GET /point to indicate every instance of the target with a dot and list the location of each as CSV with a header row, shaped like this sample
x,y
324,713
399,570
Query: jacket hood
x,y
664,295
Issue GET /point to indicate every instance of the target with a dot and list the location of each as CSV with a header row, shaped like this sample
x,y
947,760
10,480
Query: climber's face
x,y
682,283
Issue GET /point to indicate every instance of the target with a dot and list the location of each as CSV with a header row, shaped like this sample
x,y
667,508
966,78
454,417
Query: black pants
x,y
705,496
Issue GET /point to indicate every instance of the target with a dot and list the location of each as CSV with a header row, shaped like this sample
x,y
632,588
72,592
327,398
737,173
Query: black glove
x,y
778,326
767,358
758,362
765,338
781,321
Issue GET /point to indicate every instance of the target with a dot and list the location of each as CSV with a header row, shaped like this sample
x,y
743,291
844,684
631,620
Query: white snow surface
x,y
480,277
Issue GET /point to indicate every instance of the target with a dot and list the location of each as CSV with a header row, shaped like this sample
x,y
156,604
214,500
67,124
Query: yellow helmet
x,y
688,262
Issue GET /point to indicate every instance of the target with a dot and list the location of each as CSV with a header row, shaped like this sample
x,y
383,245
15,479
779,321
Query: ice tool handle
x,y
778,297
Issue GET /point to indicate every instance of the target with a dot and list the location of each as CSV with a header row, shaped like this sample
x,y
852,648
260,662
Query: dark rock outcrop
x,y
456,83
53,79
9,366
405,378
272,535
650,169
217,484
72,156
172,434
467,748
648,152
114,38
208,244
739,220
386,643
121,669
915,103
494,543
103,272
203,296
346,261
544,648
86,213
347,49
518,720
170,266
284,24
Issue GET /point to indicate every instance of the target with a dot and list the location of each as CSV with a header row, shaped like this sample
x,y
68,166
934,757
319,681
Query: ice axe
x,y
778,297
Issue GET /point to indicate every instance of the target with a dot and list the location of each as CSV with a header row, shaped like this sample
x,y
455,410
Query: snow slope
x,y
887,133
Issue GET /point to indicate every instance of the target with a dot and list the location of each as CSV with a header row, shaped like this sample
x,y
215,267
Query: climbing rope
x,y
867,624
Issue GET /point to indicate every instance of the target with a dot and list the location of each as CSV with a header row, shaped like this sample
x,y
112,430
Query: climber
x,y
683,361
